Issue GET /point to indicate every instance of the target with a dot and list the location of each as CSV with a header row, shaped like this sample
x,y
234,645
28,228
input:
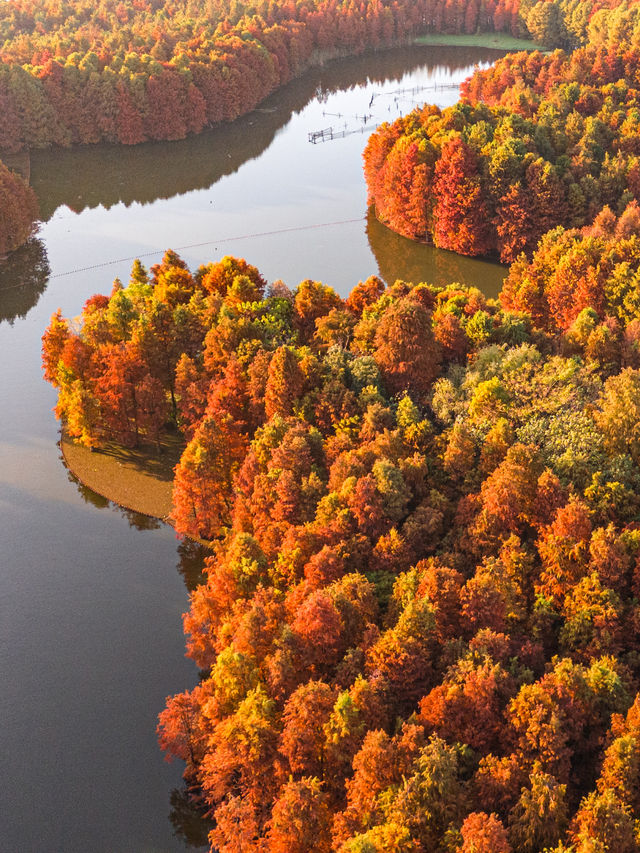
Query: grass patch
x,y
137,479
497,41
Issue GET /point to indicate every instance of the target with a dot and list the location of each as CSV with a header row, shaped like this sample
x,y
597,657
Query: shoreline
x,y
134,480
489,259
489,40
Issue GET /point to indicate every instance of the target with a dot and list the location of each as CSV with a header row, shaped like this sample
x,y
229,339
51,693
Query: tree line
x,y
133,70
537,141
420,627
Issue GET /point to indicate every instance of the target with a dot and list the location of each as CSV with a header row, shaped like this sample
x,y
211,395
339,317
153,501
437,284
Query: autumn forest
x,y
419,627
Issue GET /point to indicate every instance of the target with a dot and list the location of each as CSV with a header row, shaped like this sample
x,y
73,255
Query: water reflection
x,y
191,557
138,520
188,821
105,175
23,279
400,258
87,494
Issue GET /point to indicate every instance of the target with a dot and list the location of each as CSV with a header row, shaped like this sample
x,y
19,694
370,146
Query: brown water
x,y
90,596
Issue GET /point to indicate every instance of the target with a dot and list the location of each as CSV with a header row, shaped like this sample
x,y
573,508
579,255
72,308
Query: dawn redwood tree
x,y
514,224
53,340
563,548
154,408
313,300
540,815
180,728
604,821
191,390
302,742
318,627
461,218
300,820
509,495
80,410
405,348
121,374
284,383
241,751
483,833
364,294
237,826
202,489
219,277
379,763
468,706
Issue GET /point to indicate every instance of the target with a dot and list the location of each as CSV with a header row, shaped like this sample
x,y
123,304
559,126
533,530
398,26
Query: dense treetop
x,y
420,626
131,70
537,141
420,629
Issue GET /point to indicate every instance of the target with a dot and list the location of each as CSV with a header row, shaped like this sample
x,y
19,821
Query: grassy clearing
x,y
138,480
497,41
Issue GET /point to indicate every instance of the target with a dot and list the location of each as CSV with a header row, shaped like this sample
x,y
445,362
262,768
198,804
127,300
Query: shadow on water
x,y
400,258
139,521
92,175
23,279
136,519
191,557
188,821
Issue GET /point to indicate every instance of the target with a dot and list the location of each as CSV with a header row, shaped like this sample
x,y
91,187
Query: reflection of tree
x,y
139,521
398,257
23,278
100,174
191,556
188,821
87,495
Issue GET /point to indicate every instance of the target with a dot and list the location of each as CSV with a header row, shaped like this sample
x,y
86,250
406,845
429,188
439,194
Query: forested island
x,y
128,72
420,626
536,141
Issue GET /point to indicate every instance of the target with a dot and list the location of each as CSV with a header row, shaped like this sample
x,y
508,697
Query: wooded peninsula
x,y
420,626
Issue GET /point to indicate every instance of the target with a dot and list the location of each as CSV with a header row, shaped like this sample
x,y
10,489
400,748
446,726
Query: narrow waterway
x,y
91,597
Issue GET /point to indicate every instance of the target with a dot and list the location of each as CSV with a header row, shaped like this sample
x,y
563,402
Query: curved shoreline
x,y
487,40
136,480
133,480
489,259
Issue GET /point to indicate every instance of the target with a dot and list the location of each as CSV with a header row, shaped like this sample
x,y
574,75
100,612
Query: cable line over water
x,y
291,229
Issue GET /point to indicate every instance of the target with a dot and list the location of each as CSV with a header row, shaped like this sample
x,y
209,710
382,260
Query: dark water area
x,y
91,596
23,279
400,258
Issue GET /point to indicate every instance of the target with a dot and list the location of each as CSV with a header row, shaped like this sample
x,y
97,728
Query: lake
x,y
91,597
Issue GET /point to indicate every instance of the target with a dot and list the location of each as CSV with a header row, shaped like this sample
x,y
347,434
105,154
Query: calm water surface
x,y
90,597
